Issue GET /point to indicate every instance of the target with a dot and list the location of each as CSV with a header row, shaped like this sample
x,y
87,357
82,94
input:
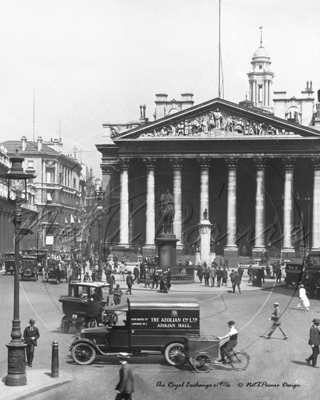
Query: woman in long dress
x,y
304,301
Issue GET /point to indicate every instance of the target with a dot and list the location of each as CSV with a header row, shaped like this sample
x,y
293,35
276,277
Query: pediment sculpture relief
x,y
218,124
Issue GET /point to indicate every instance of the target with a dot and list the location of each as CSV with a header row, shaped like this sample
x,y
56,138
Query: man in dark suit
x,y
314,342
169,278
124,387
30,336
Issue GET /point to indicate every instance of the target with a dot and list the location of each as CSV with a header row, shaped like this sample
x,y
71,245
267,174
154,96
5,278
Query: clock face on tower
x,y
12,195
16,189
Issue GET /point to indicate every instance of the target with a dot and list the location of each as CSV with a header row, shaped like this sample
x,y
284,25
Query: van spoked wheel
x,y
92,323
174,354
65,325
83,353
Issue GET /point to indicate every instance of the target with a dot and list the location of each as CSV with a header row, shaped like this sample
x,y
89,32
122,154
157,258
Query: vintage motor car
x,y
157,326
9,262
28,267
54,272
294,274
83,305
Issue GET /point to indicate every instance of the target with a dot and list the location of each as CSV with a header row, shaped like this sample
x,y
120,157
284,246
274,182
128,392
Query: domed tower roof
x,y
261,52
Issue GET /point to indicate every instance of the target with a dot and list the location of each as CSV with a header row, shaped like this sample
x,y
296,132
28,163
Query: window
x,y
260,94
30,163
50,176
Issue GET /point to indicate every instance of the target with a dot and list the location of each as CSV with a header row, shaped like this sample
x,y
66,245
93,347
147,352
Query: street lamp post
x,y
99,193
17,195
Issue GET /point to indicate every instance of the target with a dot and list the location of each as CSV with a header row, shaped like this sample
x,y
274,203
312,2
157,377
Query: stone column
x,y
231,248
259,244
107,173
177,196
204,186
316,205
288,207
124,202
150,198
255,93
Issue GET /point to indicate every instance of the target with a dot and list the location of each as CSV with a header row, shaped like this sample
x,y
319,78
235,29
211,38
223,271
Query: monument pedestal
x,y
167,243
205,237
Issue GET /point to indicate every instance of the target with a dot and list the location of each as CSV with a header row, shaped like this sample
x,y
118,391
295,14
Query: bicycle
x,y
203,352
203,362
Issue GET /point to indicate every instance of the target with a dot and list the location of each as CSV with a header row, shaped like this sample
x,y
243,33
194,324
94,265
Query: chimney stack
x,y
23,143
39,140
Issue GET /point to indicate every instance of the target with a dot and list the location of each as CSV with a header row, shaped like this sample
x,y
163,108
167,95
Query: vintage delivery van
x,y
157,326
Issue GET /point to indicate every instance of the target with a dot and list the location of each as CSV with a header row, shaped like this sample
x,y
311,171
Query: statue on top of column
x,y
167,211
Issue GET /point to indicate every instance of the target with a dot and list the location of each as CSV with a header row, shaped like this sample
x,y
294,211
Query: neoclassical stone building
x,y
257,175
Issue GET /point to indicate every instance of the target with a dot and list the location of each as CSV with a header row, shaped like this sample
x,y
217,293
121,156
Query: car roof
x,y
90,284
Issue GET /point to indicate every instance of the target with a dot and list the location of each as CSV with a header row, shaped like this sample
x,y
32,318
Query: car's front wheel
x,y
83,353
174,354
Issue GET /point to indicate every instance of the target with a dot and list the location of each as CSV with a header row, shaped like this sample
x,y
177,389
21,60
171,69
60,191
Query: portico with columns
x,y
250,170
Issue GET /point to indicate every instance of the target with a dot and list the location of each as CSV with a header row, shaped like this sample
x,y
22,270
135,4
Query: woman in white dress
x,y
304,301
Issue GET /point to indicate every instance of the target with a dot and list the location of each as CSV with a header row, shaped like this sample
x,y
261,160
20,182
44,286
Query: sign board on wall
x,y
49,240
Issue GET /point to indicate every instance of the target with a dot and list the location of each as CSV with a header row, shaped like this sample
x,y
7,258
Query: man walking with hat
x,y
30,336
275,317
314,342
124,387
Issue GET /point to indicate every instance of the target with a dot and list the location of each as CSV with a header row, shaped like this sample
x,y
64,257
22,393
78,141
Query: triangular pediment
x,y
218,119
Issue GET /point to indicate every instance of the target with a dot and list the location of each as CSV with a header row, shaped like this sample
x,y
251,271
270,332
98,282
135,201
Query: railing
x,y
186,274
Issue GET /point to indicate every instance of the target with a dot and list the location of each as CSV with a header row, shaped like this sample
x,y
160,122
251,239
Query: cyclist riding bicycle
x,y
227,347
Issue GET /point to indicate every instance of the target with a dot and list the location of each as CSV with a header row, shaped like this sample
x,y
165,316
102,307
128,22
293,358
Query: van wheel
x,y
92,323
174,354
83,353
65,325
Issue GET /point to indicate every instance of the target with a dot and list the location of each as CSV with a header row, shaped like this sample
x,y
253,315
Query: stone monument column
x,y
205,238
177,199
124,202
231,249
316,205
259,244
150,212
287,247
166,240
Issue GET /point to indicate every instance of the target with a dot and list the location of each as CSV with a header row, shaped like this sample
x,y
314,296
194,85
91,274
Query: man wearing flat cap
x,y
314,342
30,336
124,387
275,317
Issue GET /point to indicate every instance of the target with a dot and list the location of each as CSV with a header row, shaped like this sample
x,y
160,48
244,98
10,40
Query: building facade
x,y
59,192
258,177
253,168
29,212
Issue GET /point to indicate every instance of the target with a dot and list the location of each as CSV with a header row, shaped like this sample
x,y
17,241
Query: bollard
x,y
55,360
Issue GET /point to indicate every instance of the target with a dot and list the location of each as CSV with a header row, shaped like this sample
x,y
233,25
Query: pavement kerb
x,y
38,381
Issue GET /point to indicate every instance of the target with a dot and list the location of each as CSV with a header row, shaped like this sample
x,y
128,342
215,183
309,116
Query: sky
x,y
88,62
